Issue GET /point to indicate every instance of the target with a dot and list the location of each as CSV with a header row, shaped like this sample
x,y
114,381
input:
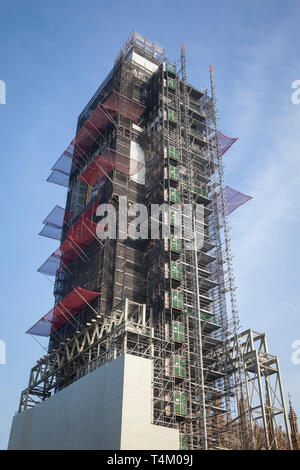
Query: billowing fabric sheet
x,y
63,311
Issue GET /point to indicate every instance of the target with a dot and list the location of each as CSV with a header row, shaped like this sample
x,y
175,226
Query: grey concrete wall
x,y
110,408
85,415
137,430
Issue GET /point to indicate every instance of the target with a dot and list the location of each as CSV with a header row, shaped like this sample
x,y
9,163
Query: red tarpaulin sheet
x,y
235,199
96,171
125,106
103,165
77,240
85,137
90,130
63,311
100,118
78,237
88,134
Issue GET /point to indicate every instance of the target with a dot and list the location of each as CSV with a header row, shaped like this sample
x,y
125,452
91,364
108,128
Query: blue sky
x,y
55,54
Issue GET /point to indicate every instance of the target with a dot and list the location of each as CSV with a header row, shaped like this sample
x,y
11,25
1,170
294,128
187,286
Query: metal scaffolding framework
x,y
162,298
